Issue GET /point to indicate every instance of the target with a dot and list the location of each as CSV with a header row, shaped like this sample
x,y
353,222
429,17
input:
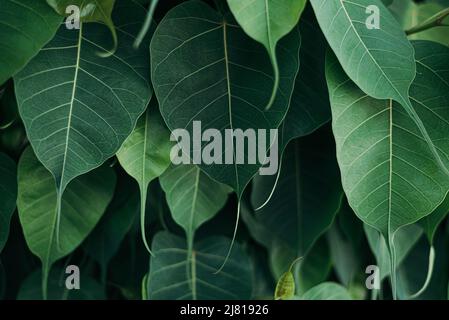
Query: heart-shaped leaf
x,y
83,204
192,196
204,68
145,155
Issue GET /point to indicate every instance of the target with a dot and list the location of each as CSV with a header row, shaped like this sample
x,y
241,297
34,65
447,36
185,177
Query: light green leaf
x,y
90,289
26,26
83,204
267,22
192,196
227,88
327,291
388,172
285,288
145,155
175,276
78,108
380,61
304,202
90,11
8,195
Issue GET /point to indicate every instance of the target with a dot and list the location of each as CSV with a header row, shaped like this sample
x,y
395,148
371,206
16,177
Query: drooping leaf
x,y
192,196
305,201
169,279
267,22
8,195
90,289
285,288
389,174
204,68
83,204
90,11
431,222
104,242
380,61
327,291
145,154
78,108
26,26
309,107
404,241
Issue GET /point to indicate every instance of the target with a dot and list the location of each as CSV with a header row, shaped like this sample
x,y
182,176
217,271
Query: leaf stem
x,y
434,21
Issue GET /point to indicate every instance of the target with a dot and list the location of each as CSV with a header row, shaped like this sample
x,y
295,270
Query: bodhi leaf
x,y
192,196
90,11
78,108
90,289
327,291
83,204
267,22
388,172
380,61
305,200
145,155
25,27
8,195
170,278
204,68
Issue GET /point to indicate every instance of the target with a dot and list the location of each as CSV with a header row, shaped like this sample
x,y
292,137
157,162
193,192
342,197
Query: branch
x,y
434,21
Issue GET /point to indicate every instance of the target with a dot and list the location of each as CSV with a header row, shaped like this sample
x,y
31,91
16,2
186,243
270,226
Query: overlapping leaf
x,y
204,68
25,27
169,279
83,204
268,21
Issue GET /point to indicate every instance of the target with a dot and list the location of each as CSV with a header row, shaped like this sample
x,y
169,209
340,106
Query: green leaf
x,y
431,222
83,204
226,88
90,11
388,172
327,291
8,195
309,106
380,61
267,22
175,276
26,26
305,200
104,241
285,288
405,239
145,155
90,289
192,196
78,108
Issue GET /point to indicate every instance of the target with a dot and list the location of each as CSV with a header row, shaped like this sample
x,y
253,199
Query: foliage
x,y
89,130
